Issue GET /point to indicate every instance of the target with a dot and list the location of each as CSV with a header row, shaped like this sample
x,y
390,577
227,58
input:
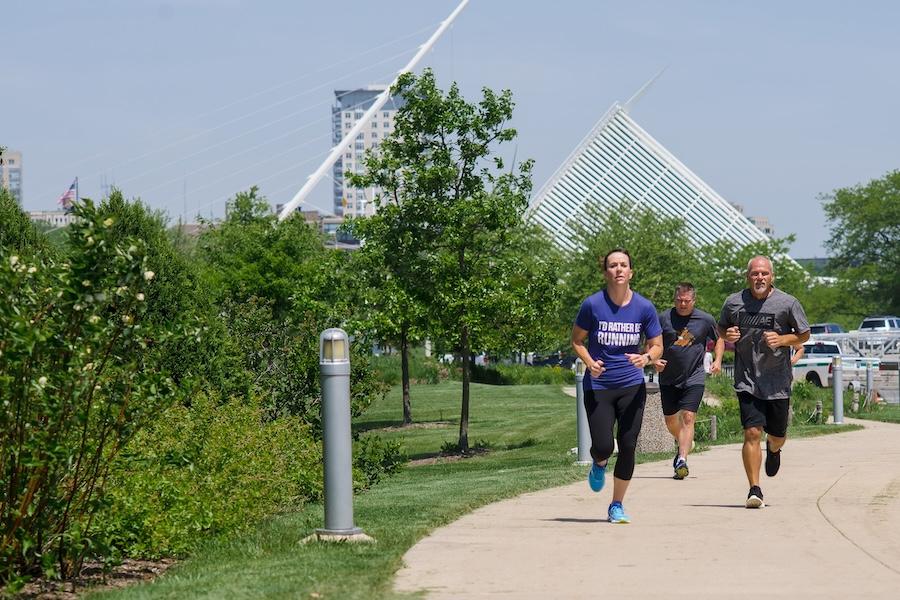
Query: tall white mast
x,y
336,152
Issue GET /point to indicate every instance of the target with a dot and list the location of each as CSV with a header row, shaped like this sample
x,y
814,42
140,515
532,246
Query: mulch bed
x,y
93,578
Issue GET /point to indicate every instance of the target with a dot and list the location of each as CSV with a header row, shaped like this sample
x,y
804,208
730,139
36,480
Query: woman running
x,y
613,321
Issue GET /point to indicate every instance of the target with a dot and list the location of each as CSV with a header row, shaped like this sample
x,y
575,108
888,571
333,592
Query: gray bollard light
x,y
334,372
870,382
583,431
837,388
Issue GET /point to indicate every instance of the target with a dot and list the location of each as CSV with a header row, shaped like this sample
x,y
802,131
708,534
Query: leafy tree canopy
x,y
865,238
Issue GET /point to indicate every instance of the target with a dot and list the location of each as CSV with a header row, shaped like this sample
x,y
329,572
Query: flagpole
x,y
76,189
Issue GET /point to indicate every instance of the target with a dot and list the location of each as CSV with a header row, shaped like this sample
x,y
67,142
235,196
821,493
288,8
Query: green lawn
x,y
889,413
528,431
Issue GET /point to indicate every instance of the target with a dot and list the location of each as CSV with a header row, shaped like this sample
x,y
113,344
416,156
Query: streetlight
x,y
837,389
584,432
334,371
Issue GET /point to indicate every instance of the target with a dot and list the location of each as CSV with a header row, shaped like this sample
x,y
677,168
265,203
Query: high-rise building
x,y
11,173
618,160
349,107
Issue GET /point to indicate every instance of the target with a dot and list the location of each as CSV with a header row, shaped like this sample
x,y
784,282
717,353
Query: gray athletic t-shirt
x,y
684,344
759,370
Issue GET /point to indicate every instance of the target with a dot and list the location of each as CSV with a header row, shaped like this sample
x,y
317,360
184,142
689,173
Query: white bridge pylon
x,y
289,208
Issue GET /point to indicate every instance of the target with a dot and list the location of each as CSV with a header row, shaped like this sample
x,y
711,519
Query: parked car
x,y
816,365
819,328
880,323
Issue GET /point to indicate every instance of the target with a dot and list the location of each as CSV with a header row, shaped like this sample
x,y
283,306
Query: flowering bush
x,y
77,380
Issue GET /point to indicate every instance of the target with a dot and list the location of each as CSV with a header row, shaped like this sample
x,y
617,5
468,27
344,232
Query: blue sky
x,y
185,102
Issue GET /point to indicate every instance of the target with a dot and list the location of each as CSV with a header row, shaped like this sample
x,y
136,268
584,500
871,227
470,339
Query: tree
x,y
662,253
278,287
725,269
663,256
453,214
17,232
251,254
385,308
865,238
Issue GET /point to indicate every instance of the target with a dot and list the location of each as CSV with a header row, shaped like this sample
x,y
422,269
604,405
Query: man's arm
x,y
799,351
788,339
718,352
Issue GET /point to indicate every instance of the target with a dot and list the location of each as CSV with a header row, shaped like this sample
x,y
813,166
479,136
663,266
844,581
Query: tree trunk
x,y
404,376
466,368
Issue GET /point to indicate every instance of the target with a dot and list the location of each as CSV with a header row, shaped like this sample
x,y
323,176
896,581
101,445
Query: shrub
x,y
78,378
421,370
373,458
208,469
518,375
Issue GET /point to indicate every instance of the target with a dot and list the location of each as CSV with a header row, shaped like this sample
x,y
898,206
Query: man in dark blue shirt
x,y
682,378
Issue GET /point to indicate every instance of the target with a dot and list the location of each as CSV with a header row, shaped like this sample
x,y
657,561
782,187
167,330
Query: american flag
x,y
70,196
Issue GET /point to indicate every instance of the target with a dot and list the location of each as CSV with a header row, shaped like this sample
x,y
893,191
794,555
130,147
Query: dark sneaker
x,y
773,461
616,513
755,498
675,460
597,477
681,469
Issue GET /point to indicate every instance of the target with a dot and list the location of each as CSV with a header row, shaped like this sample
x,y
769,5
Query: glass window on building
x,y
358,114
374,124
374,135
386,115
346,115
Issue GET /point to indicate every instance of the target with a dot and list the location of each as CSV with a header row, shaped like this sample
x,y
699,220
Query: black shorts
x,y
676,398
771,415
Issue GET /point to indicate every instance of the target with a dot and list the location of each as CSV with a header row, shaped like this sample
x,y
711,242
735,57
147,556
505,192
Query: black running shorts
x,y
771,415
676,398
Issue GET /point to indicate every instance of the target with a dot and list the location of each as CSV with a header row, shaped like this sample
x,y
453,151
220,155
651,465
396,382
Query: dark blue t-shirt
x,y
614,331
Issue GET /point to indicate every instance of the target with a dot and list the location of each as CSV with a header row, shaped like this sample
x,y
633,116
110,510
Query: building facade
x,y
11,173
348,109
618,160
54,218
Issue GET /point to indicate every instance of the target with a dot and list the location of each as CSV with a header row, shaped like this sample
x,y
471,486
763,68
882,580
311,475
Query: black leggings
x,y
624,406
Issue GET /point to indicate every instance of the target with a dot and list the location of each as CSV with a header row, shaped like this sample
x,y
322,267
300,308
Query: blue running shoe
x,y
681,468
617,513
597,477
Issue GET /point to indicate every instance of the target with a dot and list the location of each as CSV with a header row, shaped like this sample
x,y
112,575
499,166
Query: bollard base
x,y
352,536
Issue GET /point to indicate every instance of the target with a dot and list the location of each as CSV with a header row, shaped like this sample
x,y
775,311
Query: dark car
x,y
553,360
819,328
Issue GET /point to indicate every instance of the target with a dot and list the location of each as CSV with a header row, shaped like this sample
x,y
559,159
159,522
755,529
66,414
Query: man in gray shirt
x,y
763,323
682,378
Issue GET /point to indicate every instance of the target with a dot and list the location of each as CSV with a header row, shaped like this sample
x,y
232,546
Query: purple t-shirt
x,y
614,331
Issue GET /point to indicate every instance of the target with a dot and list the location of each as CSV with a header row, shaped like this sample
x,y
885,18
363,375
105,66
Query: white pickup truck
x,y
815,366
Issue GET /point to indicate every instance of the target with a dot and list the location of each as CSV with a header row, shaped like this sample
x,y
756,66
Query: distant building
x,y
619,160
349,107
54,218
11,173
762,223
329,227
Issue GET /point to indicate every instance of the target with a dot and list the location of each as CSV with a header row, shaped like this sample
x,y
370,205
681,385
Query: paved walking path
x,y
831,529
